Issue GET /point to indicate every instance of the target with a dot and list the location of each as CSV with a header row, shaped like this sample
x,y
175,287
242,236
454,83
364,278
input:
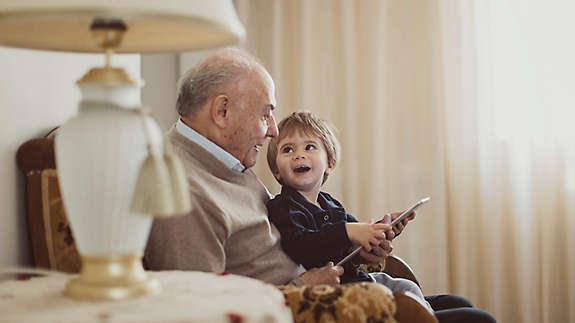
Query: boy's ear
x,y
219,110
277,175
330,167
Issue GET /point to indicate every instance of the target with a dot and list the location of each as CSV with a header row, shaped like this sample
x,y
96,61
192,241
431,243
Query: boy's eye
x,y
310,147
286,150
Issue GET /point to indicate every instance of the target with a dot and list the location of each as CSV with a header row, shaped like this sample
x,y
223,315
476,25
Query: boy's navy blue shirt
x,y
313,236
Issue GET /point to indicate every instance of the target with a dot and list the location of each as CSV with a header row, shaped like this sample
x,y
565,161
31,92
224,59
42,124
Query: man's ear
x,y
219,110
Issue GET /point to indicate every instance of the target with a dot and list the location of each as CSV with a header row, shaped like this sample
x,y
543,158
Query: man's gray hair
x,y
212,76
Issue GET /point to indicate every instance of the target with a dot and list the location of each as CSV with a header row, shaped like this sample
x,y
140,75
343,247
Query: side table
x,y
185,297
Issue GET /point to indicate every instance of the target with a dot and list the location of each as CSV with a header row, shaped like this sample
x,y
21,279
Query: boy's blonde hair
x,y
309,124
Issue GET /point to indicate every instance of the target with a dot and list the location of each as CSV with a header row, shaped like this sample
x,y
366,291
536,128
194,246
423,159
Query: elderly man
x,y
226,106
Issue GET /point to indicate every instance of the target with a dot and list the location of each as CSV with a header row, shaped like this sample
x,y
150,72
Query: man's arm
x,y
194,241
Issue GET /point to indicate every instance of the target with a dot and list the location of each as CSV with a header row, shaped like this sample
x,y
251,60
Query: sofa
x,y
53,247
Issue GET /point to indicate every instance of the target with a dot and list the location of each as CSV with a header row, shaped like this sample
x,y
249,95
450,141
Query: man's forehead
x,y
270,87
259,82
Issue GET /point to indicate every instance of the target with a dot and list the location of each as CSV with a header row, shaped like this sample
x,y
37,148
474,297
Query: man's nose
x,y
272,128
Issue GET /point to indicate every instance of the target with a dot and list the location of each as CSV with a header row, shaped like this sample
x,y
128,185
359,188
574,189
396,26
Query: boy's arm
x,y
300,241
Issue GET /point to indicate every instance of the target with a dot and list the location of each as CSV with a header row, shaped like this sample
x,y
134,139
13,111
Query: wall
x,y
161,73
37,93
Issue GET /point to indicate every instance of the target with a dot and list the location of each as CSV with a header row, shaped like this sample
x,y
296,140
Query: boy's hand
x,y
366,234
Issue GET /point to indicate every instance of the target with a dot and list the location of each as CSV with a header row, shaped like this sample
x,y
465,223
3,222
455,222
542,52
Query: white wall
x,y
37,92
161,73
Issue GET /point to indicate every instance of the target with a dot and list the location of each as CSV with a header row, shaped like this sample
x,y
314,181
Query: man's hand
x,y
377,254
390,235
328,274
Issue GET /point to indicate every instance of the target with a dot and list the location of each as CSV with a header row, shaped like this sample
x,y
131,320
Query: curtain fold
x,y
469,102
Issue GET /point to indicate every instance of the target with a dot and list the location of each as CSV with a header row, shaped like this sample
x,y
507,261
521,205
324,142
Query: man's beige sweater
x,y
227,229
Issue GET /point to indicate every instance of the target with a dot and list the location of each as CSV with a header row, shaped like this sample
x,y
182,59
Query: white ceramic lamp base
x,y
99,153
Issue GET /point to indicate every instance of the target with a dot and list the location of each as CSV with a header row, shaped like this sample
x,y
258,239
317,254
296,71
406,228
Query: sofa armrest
x,y
393,266
398,268
409,310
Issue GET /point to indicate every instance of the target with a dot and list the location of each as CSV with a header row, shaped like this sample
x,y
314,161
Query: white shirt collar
x,y
225,157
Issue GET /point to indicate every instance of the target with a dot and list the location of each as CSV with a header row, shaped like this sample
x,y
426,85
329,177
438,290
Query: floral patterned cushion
x,y
358,302
372,268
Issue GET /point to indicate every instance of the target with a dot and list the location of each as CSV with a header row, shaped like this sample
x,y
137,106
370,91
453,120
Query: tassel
x,y
161,188
153,193
177,177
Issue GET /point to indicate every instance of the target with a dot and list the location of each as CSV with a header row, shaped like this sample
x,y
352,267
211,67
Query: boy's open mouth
x,y
301,169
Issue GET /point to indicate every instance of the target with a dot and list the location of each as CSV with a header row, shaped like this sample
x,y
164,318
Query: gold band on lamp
x,y
109,40
112,278
107,75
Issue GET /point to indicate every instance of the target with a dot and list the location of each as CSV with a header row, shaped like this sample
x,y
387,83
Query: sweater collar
x,y
225,157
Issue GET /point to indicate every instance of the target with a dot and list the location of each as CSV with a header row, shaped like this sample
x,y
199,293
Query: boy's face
x,y
301,162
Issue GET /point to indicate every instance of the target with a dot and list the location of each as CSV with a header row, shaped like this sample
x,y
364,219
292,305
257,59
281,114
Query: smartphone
x,y
410,210
394,222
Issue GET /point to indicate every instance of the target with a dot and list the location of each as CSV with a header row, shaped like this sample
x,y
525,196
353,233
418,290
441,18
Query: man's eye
x,y
310,147
287,150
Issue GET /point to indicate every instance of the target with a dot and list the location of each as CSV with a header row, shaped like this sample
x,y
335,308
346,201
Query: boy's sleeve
x,y
350,218
305,245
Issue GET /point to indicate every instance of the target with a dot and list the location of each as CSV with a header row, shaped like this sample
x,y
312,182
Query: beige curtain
x,y
469,102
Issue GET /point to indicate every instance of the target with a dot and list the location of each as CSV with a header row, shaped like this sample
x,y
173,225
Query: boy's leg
x,y
402,286
454,308
447,301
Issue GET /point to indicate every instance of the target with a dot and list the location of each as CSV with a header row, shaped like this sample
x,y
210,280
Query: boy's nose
x,y
299,156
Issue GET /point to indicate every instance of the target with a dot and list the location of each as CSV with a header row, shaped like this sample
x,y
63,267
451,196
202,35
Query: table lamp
x,y
113,169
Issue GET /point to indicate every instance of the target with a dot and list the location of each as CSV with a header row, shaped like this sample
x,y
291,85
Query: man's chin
x,y
249,165
250,160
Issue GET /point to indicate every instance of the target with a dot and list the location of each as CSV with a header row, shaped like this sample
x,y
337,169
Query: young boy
x,y
315,228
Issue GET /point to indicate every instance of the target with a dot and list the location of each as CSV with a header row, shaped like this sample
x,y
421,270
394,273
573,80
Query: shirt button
x,y
326,218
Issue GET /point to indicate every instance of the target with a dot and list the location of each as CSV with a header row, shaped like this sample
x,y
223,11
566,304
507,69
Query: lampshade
x,y
102,152
154,25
